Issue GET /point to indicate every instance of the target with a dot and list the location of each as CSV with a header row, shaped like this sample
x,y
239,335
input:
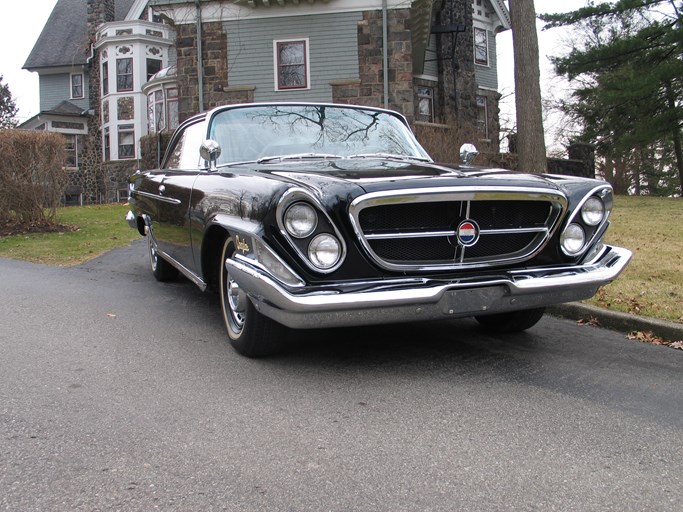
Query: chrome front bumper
x,y
407,300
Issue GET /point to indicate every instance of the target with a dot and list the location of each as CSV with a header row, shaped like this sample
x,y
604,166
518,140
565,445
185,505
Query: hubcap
x,y
152,254
234,303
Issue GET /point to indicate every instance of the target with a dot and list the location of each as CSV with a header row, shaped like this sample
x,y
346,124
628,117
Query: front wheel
x,y
514,321
251,333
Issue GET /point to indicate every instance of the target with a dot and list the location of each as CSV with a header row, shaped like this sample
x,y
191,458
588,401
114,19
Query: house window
x,y
76,86
156,117
481,49
126,141
105,78
172,108
162,110
124,74
482,117
291,64
107,145
71,150
425,104
153,67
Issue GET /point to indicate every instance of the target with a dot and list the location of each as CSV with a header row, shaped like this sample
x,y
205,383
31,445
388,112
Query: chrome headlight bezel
x,y
592,230
301,198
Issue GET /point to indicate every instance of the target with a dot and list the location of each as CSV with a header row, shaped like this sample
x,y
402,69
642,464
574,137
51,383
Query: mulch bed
x,y
22,228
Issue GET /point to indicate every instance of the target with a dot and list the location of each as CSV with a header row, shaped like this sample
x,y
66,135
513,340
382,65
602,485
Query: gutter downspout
x,y
385,54
200,64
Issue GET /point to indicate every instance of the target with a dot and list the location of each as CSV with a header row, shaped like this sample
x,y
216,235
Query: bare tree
x,y
530,135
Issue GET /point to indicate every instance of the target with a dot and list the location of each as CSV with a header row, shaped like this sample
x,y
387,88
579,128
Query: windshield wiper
x,y
390,156
299,156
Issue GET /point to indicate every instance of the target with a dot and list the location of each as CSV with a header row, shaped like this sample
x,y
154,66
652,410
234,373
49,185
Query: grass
x,y
100,229
651,227
652,284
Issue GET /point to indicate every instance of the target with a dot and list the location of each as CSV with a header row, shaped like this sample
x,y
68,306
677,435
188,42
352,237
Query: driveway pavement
x,y
120,393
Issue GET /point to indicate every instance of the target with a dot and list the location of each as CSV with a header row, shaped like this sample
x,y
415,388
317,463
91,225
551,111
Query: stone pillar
x,y
457,94
586,153
93,181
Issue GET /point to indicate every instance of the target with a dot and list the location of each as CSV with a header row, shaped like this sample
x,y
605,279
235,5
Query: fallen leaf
x,y
589,321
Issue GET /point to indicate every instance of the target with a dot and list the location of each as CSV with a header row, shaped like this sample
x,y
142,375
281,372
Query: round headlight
x,y
324,251
300,220
593,211
572,239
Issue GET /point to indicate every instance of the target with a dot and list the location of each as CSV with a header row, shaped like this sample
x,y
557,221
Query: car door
x,y
174,182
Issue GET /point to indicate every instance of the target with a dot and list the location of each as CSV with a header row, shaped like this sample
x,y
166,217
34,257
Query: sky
x,y
23,21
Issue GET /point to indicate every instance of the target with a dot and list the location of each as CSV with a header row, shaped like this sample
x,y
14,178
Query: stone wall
x,y
457,87
91,175
369,88
215,76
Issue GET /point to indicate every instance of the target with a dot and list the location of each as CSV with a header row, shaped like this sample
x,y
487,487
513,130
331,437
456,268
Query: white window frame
x,y
276,64
430,101
121,130
486,42
71,86
483,106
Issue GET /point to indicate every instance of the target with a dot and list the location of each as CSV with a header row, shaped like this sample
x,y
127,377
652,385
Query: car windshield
x,y
269,133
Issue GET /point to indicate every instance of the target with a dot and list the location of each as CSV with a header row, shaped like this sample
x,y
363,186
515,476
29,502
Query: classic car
x,y
323,215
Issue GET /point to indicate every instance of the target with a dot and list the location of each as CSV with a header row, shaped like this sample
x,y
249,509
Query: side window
x,y
184,154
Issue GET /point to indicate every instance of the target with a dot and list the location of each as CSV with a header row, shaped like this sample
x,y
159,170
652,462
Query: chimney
x,y
99,11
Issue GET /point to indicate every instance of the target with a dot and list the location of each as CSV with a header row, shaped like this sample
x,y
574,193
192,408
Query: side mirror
x,y
210,150
468,152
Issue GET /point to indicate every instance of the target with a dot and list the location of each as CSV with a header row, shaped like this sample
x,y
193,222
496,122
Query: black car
x,y
317,215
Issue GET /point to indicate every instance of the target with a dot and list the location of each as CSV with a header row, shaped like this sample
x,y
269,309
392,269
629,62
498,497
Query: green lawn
x,y
651,227
652,284
100,229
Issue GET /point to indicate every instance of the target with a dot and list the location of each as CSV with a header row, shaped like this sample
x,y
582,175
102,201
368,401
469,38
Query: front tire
x,y
514,321
163,271
251,333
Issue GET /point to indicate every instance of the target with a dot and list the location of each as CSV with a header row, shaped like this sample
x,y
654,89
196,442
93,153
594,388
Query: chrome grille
x,y
417,229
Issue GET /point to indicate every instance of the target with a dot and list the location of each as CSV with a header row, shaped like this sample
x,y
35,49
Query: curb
x,y
618,321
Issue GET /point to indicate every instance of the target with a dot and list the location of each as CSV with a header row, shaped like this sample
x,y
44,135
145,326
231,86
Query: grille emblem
x,y
468,233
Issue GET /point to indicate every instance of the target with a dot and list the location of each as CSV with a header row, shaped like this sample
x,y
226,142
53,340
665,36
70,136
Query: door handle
x,y
162,189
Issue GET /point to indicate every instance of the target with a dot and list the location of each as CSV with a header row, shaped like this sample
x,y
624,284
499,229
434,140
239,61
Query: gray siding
x,y
57,88
333,50
431,65
487,76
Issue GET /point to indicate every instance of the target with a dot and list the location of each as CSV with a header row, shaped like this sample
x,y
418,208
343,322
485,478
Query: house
x,y
97,61
112,71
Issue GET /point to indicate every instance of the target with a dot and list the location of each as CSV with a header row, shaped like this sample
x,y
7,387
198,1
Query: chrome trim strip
x,y
181,268
432,234
184,270
157,197
426,299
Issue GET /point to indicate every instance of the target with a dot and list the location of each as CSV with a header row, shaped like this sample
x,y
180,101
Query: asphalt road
x,y
121,393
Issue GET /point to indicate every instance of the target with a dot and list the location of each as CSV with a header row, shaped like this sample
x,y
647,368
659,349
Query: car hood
x,y
382,175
